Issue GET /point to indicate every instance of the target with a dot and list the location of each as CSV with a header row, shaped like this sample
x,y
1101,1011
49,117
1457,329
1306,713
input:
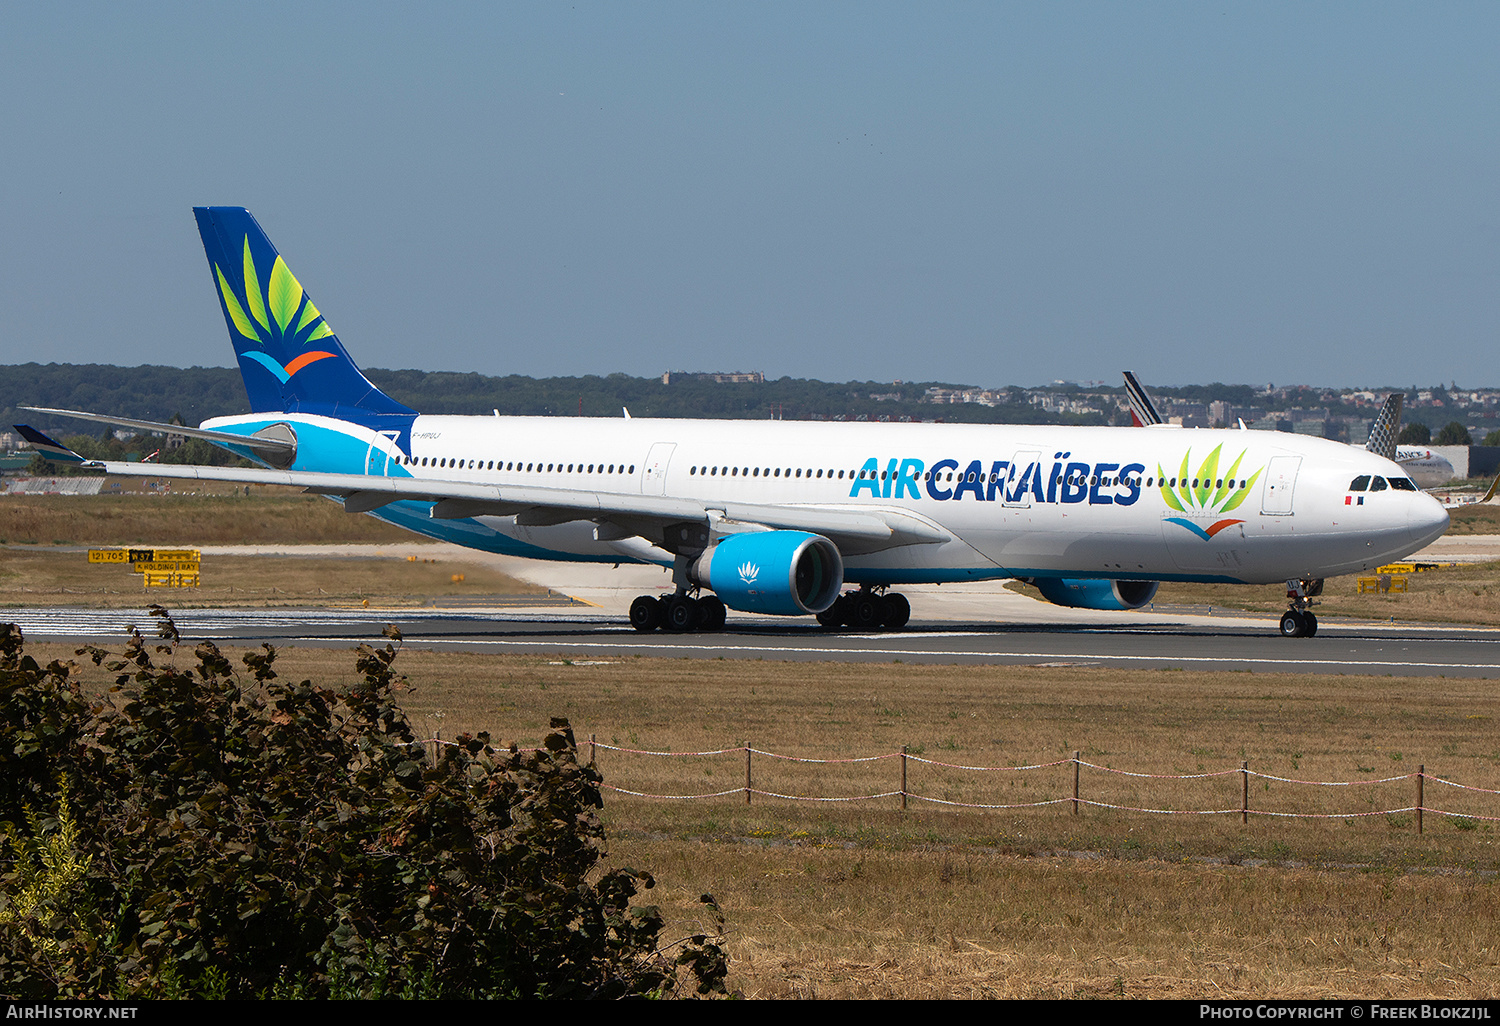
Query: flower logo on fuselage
x,y
1205,494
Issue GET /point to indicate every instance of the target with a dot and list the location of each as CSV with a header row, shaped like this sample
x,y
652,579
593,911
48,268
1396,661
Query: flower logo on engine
x,y
749,572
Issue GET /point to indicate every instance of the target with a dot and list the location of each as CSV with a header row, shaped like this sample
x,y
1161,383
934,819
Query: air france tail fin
x,y
288,355
1386,427
1142,409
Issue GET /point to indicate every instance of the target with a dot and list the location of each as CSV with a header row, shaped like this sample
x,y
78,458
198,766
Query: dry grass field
x,y
220,516
1466,593
210,516
38,577
858,899
1474,518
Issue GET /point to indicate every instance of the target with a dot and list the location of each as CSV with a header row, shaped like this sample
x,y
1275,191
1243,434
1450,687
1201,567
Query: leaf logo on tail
x,y
282,315
1206,493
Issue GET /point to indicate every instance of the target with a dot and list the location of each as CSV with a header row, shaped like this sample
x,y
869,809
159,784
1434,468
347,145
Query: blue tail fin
x,y
289,357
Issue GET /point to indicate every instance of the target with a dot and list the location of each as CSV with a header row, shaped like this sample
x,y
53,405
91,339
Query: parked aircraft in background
x,y
1426,468
776,517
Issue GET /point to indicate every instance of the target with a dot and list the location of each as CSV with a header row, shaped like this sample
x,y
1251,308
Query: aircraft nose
x,y
1426,520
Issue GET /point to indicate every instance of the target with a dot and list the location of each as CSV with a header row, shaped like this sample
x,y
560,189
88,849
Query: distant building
x,y
718,378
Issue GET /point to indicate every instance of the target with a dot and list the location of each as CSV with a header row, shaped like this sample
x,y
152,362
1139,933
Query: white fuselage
x,y
1002,501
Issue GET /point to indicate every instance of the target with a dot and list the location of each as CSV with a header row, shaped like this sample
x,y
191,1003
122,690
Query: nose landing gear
x,y
1299,621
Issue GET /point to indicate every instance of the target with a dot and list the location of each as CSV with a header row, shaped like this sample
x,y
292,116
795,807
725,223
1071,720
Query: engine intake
x,y
785,573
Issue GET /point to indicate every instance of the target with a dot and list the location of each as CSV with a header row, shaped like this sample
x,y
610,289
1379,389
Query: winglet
x,y
1385,428
1142,409
48,448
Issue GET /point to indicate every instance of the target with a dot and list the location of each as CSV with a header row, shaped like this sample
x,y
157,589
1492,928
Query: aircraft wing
x,y
630,513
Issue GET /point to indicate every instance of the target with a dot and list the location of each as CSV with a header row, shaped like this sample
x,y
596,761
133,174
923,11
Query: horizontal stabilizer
x,y
49,448
257,442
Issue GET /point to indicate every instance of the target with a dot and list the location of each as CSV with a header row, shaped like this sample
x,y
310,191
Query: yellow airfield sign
x,y
159,568
144,556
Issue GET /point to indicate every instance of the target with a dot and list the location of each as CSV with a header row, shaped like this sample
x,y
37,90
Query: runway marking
x,y
470,629
1220,660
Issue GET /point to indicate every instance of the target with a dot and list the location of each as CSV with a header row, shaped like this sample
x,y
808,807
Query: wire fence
x,y
747,774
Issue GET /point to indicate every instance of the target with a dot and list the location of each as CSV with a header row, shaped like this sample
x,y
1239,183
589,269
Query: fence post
x,y
1245,791
747,772
1075,782
903,778
1421,772
593,753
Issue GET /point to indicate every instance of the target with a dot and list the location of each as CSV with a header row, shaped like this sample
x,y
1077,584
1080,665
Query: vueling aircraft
x,y
778,517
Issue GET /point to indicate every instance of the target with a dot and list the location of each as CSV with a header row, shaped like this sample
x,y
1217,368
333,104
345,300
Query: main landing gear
x,y
678,613
1299,621
864,610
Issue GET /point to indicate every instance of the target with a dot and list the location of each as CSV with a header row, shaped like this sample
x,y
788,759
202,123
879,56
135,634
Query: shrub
x,y
242,836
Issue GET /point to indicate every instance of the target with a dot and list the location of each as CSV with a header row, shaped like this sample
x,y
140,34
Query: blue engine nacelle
x,y
1088,593
786,573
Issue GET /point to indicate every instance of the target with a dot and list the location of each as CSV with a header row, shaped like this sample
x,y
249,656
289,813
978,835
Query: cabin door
x,y
654,476
378,457
1281,479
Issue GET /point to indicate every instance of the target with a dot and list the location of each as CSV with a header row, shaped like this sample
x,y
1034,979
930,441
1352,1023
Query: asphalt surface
x,y
970,623
1193,642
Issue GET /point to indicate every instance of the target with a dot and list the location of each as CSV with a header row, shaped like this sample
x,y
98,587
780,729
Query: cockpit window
x,y
1403,484
1377,484
1360,483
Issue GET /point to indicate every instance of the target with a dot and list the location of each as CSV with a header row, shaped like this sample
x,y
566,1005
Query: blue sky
x,y
981,193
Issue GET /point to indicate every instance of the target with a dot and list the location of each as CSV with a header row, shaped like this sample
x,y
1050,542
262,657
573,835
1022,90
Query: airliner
x,y
790,518
1427,468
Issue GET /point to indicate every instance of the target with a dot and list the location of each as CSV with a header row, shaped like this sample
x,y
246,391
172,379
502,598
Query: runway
x,y
969,623
1157,642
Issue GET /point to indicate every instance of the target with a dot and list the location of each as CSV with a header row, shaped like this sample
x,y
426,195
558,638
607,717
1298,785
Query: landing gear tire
x,y
1298,624
832,618
645,614
866,612
681,614
898,612
711,614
